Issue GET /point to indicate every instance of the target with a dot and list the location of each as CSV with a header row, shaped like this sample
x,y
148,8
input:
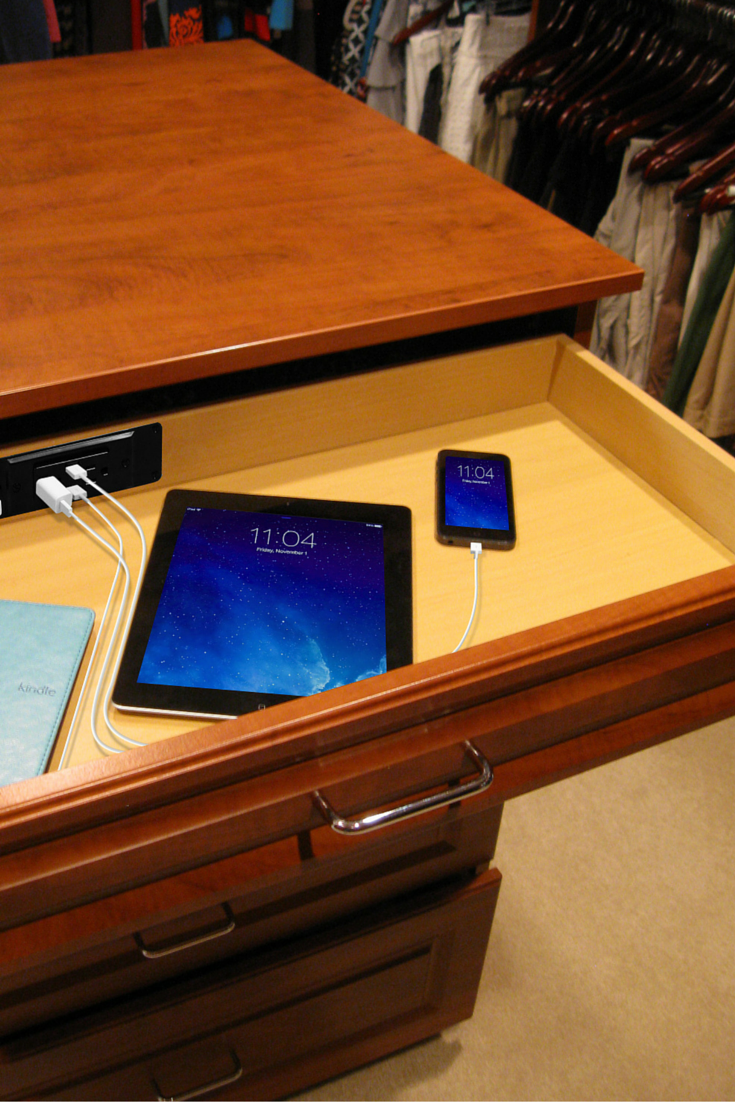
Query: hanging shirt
x,y
184,22
349,48
386,73
24,31
52,20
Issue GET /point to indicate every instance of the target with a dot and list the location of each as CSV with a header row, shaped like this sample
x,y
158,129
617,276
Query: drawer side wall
x,y
682,464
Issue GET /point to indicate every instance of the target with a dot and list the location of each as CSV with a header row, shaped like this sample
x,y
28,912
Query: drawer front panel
x,y
323,878
402,970
214,825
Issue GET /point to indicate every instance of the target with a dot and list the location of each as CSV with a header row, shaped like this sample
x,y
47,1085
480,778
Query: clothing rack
x,y
704,19
625,123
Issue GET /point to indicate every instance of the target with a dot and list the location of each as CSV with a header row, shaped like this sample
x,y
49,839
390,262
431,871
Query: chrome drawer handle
x,y
205,1088
155,954
417,807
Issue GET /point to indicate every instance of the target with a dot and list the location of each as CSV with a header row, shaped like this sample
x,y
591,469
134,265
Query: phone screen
x,y
475,499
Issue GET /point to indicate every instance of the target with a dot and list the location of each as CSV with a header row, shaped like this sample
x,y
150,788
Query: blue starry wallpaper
x,y
475,494
256,602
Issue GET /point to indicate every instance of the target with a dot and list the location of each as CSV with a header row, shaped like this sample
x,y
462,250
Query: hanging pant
x,y
711,403
423,53
486,42
618,230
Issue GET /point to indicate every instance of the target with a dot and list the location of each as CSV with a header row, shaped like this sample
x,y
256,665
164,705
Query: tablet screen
x,y
269,604
246,606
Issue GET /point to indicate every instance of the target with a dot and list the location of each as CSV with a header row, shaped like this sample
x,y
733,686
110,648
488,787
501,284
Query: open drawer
x,y
611,625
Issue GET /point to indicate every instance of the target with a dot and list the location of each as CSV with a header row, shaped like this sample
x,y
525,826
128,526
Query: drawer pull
x,y
205,1088
155,954
416,807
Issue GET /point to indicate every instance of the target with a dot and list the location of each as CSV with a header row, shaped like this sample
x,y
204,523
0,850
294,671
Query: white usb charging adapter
x,y
55,494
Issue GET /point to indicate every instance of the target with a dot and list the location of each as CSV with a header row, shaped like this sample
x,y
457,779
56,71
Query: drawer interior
x,y
614,495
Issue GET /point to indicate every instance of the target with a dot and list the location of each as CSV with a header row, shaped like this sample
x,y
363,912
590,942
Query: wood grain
x,y
368,765
688,469
92,953
382,980
173,214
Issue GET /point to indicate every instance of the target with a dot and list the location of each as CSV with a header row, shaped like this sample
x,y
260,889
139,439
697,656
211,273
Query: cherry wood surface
x,y
183,803
294,1013
174,214
91,954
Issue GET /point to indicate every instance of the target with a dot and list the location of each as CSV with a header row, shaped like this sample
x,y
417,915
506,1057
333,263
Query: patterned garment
x,y
185,23
349,49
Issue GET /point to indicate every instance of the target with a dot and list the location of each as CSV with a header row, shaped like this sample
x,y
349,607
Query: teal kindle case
x,y
41,648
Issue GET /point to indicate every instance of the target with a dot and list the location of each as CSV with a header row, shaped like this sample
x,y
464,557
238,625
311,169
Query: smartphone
x,y
474,499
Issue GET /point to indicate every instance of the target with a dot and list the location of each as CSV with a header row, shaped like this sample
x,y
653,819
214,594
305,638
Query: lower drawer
x,y
269,1023
273,893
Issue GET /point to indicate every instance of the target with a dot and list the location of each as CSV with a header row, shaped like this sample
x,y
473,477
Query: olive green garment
x,y
711,403
701,321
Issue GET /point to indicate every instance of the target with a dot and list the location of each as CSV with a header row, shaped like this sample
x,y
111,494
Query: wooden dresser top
x,y
176,214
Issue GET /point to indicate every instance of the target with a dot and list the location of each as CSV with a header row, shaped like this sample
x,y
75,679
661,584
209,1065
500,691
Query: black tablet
x,y
248,601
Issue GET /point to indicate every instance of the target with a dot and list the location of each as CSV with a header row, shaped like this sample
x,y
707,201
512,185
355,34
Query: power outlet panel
x,y
116,462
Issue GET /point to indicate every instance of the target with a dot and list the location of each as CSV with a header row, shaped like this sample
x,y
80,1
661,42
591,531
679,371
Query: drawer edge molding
x,y
212,825
167,772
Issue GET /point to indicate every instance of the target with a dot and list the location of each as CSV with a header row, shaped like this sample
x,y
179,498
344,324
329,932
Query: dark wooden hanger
x,y
592,103
426,20
720,197
610,44
564,67
662,105
650,71
715,126
710,172
557,36
671,141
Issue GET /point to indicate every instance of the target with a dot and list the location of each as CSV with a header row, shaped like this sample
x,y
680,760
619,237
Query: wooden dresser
x,y
311,300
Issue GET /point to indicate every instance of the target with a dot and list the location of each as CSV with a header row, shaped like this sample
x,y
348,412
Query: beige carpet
x,y
611,967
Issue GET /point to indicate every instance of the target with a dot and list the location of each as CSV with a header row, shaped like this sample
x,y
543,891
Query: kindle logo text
x,y
40,690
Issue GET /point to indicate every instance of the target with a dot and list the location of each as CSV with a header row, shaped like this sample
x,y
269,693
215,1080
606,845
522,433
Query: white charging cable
x,y
122,565
114,636
74,470
90,666
60,498
476,549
